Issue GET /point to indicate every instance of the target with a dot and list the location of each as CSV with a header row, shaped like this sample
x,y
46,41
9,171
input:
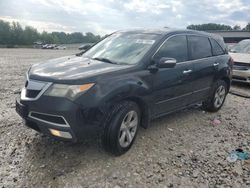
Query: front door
x,y
172,86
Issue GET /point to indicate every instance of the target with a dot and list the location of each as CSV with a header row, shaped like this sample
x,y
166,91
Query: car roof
x,y
171,31
166,31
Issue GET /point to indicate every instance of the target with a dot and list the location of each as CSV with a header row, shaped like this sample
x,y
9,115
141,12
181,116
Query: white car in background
x,y
61,47
241,56
230,45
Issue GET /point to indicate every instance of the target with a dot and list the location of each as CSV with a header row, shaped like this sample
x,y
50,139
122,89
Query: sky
x,y
105,16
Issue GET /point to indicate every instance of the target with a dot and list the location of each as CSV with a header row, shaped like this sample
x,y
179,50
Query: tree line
x,y
14,34
214,26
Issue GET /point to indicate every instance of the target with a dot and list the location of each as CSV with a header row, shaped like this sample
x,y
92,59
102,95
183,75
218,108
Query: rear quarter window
x,y
216,48
199,47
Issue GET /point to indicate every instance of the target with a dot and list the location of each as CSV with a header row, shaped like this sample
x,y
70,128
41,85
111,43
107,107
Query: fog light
x,y
60,133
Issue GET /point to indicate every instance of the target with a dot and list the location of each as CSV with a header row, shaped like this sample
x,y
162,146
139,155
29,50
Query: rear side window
x,y
175,47
199,47
216,48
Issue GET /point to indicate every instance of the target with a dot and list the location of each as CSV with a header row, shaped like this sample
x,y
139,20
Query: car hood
x,y
71,68
240,57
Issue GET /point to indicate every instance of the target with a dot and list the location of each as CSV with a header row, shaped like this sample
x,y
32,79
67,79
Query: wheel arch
x,y
228,82
144,108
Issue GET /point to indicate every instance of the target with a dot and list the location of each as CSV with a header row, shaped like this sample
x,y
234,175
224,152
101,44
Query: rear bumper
x,y
241,76
59,118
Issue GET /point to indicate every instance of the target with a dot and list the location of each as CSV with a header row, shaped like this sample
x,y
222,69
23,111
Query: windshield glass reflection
x,y
122,48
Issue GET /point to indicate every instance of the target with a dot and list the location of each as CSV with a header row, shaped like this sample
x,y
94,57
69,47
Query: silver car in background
x,y
241,56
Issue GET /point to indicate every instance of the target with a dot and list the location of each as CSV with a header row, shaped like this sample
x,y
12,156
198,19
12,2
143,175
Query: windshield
x,y
241,47
122,48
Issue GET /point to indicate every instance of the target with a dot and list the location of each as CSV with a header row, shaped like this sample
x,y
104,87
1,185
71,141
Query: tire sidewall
x,y
116,124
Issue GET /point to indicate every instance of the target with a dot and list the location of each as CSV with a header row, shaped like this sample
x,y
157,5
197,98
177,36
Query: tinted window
x,y
217,50
199,47
175,47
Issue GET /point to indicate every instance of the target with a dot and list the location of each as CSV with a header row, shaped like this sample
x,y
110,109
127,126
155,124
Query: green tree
x,y
210,26
236,27
16,33
29,36
76,37
47,37
91,38
247,27
5,32
60,37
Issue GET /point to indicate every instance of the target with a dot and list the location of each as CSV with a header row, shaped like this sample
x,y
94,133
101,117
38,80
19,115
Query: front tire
x,y
121,127
217,98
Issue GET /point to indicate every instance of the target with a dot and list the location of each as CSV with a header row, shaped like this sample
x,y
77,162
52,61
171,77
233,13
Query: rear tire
x,y
121,127
217,98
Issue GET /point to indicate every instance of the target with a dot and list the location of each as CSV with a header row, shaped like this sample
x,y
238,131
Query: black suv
x,y
123,82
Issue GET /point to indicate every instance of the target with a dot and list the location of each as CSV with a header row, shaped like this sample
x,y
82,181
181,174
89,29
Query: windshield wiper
x,y
104,60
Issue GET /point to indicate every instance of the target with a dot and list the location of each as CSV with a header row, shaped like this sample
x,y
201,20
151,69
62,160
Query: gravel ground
x,y
180,150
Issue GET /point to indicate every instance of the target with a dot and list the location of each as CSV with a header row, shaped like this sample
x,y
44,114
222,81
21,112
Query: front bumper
x,y
59,118
241,75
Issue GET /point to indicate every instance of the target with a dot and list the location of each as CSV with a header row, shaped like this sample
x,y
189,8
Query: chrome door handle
x,y
187,71
216,64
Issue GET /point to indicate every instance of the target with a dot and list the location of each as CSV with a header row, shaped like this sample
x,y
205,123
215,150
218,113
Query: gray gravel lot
x,y
180,150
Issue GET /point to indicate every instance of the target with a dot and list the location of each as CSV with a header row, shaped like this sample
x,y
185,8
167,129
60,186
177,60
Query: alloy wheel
x,y
219,96
128,129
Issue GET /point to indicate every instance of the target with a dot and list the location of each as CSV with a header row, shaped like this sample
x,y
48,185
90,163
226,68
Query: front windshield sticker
x,y
142,41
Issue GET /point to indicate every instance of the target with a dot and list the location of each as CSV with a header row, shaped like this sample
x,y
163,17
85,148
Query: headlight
x,y
69,91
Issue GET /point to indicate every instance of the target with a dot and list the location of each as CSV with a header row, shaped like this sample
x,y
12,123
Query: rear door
x,y
172,86
205,66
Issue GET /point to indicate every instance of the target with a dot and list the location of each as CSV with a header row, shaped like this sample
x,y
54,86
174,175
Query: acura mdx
x,y
123,82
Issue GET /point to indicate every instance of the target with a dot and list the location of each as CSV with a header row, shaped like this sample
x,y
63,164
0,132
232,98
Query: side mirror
x,y
166,62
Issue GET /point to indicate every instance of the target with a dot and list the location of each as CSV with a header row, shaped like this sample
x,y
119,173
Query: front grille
x,y
34,89
239,78
241,66
32,93
52,119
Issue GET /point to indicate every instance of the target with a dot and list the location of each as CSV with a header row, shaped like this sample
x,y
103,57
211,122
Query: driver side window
x,y
175,47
